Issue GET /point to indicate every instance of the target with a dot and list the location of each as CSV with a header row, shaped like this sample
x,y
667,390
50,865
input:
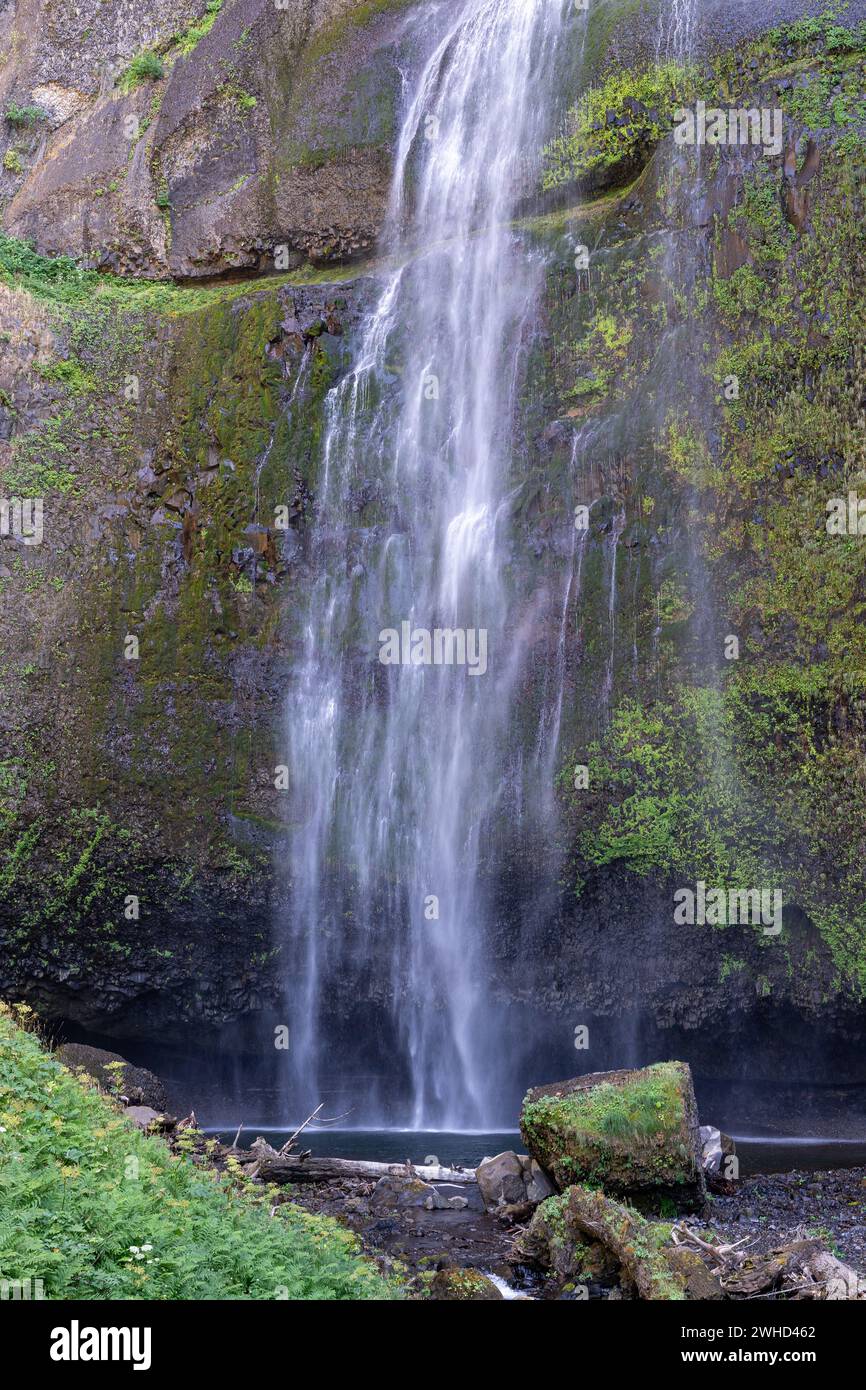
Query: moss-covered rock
x,y
584,1235
630,1132
460,1284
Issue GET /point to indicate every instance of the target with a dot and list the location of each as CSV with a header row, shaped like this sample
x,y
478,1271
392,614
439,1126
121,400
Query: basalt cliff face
x,y
699,388
176,142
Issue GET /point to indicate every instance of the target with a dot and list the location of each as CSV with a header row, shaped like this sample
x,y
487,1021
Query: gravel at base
x,y
777,1208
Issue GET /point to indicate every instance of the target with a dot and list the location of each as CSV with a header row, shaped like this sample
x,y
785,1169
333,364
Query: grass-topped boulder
x,y
632,1133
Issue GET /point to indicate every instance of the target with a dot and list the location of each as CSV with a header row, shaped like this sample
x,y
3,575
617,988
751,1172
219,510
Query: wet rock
x,y
550,1244
538,1185
469,1192
253,175
143,1116
697,1280
500,1180
393,1193
715,1148
582,1234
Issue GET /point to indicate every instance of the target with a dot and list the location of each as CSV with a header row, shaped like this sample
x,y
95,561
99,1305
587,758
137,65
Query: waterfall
x,y
676,31
399,770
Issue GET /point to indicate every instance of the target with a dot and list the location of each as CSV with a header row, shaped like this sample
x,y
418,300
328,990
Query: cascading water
x,y
398,770
676,30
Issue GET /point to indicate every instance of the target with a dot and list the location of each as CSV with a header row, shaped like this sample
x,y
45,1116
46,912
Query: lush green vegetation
x,y
615,122
741,786
635,1133
186,41
95,1210
747,775
61,281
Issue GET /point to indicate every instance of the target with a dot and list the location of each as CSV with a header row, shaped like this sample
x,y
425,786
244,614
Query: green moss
x,y
231,92
615,123
187,41
631,1133
332,35
70,373
560,1224
59,280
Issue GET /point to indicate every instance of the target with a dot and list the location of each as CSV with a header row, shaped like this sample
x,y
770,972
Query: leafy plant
x,y
96,1210
145,67
24,115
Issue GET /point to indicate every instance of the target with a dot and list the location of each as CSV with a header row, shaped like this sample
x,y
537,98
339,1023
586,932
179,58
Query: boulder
x,y
697,1280
583,1237
552,1242
460,1284
399,1193
538,1184
512,1183
144,1116
501,1180
715,1148
139,1085
634,1133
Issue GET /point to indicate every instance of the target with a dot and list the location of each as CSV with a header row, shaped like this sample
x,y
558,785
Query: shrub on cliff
x,y
145,67
95,1210
614,124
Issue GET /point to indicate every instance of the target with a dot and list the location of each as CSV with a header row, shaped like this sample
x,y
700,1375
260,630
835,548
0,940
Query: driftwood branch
x,y
309,1120
280,1168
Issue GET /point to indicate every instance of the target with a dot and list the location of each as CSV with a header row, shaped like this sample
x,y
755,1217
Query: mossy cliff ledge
x,y
140,697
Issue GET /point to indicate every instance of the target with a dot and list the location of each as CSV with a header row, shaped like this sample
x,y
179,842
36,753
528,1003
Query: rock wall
x,y
166,425
161,140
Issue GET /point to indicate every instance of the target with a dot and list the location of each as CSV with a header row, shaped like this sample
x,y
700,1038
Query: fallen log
x,y
802,1270
272,1167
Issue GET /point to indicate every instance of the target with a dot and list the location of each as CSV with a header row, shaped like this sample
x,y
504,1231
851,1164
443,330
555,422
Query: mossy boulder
x,y
584,1236
456,1284
632,1133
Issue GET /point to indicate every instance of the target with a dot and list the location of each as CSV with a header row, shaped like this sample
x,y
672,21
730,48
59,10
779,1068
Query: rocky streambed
x,y
769,1211
622,1194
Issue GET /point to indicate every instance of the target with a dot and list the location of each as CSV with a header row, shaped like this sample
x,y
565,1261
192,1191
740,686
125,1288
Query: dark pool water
x,y
761,1152
390,1145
